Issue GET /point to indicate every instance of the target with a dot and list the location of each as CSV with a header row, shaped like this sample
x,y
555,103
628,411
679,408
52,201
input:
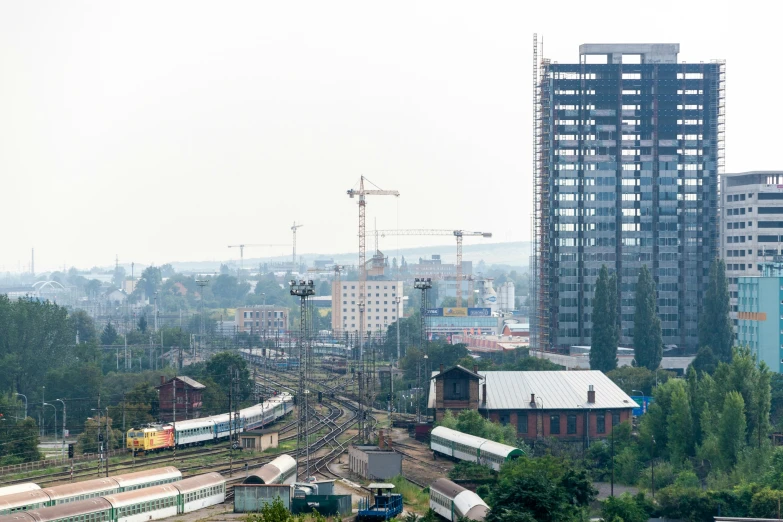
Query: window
x,y
615,419
600,423
554,424
521,423
571,424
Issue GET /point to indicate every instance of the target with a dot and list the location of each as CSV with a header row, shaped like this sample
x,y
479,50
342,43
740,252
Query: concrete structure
x,y
188,398
373,463
628,157
751,224
507,297
567,405
258,440
436,269
760,316
380,305
261,319
516,330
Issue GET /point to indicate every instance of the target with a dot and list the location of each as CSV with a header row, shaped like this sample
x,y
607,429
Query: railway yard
x,y
332,428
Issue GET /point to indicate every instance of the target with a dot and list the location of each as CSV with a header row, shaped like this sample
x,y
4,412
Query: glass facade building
x,y
629,155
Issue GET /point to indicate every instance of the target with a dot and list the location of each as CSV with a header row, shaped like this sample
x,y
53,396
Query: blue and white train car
x,y
226,424
194,431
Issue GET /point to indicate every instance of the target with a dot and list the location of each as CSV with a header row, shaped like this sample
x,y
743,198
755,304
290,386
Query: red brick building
x,y
575,405
188,396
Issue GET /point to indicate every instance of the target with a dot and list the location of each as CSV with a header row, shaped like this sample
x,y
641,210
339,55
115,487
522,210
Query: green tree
x,y
680,425
647,338
626,508
705,360
109,334
272,512
225,368
603,352
149,282
83,325
143,323
20,442
630,378
731,429
448,421
716,329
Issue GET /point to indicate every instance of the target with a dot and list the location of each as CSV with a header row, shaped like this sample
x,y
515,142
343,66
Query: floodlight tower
x,y
422,284
302,289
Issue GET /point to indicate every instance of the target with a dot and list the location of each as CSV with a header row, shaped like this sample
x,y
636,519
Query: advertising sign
x,y
644,402
433,312
479,312
455,312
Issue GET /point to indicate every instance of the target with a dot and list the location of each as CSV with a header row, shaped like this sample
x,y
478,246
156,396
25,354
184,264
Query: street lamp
x,y
63,403
644,400
652,461
25,403
609,412
426,373
55,420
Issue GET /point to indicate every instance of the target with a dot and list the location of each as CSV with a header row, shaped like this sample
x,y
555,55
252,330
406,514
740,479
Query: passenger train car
x,y
282,470
208,429
151,503
452,501
18,488
88,489
462,446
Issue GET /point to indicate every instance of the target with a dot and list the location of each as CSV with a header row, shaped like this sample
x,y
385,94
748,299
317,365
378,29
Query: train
x,y
158,437
335,364
78,491
461,446
18,488
453,502
282,470
149,503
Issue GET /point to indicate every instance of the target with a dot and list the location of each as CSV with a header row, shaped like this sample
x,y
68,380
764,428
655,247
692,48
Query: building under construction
x,y
628,147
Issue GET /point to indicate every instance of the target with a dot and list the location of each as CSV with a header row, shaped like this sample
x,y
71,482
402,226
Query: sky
x,y
166,131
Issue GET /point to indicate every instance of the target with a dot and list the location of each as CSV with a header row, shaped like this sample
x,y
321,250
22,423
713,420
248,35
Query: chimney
x,y
475,368
162,380
533,399
380,439
485,391
441,368
590,394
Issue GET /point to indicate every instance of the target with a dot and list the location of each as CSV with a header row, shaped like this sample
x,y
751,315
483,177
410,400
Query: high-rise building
x,y
760,314
751,230
381,307
629,144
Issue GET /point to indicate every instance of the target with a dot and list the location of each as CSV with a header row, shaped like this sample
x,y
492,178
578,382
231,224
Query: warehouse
x,y
371,462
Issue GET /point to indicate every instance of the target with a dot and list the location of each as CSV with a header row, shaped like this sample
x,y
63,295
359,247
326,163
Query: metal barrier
x,y
52,463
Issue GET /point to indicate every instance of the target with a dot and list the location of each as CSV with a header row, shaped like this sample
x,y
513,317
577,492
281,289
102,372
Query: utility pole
x,y
398,300
201,284
174,413
303,290
63,403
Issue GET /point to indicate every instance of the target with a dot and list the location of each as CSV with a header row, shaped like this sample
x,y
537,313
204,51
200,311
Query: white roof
x,y
457,436
194,423
19,488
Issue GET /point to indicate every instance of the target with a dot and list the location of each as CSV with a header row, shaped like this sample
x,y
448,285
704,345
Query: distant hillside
x,y
516,254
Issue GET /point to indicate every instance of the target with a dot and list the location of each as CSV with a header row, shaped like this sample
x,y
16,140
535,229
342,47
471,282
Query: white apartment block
x,y
381,308
261,319
751,229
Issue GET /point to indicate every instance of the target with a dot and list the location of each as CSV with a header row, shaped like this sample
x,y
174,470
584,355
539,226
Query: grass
x,y
412,495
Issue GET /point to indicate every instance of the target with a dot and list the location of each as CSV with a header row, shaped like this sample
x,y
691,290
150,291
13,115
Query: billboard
x,y
455,312
433,312
479,312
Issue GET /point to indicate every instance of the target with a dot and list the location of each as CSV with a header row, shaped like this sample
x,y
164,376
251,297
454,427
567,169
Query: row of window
x,y
377,287
205,492
146,507
100,516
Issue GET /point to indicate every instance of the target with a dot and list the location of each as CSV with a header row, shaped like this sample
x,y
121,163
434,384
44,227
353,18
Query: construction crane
x,y
242,251
293,258
336,308
362,193
459,234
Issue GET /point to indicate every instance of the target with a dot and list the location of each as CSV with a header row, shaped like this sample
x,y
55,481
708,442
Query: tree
x,y
731,429
118,277
109,334
626,508
83,326
705,360
448,421
225,367
20,442
92,288
716,329
603,352
680,425
647,338
143,323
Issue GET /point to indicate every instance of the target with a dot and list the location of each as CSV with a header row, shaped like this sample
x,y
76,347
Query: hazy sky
x,y
165,131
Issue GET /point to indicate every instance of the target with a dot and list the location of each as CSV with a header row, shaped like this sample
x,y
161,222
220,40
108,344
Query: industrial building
x,y
372,462
628,147
186,392
566,405
751,225
760,314
381,305
263,319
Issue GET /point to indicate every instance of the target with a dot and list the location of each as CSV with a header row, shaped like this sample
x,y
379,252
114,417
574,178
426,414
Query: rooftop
x,y
650,53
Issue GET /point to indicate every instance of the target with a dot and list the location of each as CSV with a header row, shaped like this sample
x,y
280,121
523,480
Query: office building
x,y
629,145
760,315
260,320
381,307
751,225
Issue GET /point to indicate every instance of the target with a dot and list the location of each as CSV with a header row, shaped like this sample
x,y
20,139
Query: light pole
x,y
644,400
398,300
55,420
426,374
609,412
63,403
422,284
100,440
25,403
652,461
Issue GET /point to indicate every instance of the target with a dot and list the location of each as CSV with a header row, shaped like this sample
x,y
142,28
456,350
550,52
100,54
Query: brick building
x,y
577,405
188,396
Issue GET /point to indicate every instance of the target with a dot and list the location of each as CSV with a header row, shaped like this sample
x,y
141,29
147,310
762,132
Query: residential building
x,y
628,157
186,392
576,406
269,319
751,224
381,308
760,315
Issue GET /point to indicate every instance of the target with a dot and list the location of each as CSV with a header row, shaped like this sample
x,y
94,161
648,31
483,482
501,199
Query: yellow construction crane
x,y
242,251
459,234
293,258
336,308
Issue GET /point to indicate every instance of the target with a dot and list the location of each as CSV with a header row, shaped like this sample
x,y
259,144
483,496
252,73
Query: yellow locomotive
x,y
150,439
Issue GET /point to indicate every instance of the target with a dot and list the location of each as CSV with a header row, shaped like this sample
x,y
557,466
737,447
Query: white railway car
x,y
201,491
144,504
194,431
282,470
23,501
18,488
462,446
452,501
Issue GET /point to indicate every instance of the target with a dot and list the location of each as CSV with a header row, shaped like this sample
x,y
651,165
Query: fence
x,y
52,463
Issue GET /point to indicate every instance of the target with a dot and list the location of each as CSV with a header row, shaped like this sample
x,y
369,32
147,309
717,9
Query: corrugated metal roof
x,y
553,390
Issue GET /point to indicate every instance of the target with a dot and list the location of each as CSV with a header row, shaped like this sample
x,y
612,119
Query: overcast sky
x,y
165,131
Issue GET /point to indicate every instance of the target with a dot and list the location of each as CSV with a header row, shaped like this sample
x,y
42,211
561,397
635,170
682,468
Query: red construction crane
x,y
459,234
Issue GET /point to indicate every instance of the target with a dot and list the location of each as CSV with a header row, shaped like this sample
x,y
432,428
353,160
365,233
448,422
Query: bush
x,y
627,508
465,470
664,476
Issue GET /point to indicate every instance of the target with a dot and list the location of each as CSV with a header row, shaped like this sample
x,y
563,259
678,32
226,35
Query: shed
x,y
258,440
371,462
250,498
